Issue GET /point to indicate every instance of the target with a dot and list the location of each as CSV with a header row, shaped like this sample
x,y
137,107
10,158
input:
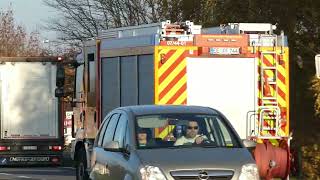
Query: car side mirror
x,y
249,143
127,149
73,134
60,76
112,146
75,64
59,92
317,63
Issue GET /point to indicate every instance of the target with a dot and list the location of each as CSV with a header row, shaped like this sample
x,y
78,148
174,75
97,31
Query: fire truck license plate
x,y
220,50
29,147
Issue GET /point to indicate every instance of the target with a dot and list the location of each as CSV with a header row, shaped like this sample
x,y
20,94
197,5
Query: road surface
x,y
38,173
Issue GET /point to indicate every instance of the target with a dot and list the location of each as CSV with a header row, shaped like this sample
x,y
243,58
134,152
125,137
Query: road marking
x,y
6,174
26,177
72,168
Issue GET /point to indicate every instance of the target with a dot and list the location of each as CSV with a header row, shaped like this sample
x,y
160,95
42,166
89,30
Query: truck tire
x,y
81,165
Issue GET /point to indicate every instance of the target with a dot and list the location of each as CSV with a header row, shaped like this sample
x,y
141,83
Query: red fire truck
x,y
241,69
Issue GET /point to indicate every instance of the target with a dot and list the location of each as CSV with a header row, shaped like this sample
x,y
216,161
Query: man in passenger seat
x,y
142,137
192,135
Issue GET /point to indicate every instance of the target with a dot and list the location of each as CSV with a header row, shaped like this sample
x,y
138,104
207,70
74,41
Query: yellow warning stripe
x,y
173,90
281,71
286,59
282,133
281,86
172,75
280,100
166,131
157,58
166,85
170,61
273,141
182,98
163,51
280,68
270,58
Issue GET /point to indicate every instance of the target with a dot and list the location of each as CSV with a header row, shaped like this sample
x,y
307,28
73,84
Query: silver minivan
x,y
169,143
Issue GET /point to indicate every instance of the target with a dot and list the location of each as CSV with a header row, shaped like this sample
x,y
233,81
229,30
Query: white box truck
x,y
30,120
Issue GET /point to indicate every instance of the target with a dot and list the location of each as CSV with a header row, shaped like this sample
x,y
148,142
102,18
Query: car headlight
x,y
249,171
152,173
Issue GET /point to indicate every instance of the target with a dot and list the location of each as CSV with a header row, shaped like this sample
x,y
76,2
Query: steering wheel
x,y
207,141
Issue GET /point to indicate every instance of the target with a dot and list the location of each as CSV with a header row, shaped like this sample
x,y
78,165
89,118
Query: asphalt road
x,y
38,173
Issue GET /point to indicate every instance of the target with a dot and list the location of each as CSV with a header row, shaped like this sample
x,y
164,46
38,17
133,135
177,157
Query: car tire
x,y
81,165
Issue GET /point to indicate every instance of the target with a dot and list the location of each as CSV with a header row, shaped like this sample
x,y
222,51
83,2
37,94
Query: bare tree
x,y
77,19
14,41
81,19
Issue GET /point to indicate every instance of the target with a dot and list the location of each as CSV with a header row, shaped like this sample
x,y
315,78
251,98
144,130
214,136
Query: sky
x,y
31,14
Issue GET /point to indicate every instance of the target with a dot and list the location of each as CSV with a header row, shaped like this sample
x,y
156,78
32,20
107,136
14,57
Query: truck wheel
x,y
81,165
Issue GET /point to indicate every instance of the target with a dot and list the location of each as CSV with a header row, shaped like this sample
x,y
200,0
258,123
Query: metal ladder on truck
x,y
269,111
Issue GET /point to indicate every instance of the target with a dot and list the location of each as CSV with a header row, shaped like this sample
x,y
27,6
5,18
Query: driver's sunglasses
x,y
193,127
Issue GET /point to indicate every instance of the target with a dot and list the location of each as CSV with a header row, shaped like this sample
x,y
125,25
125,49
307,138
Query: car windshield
x,y
183,131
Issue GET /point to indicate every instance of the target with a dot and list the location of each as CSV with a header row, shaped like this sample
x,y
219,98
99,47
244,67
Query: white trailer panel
x,y
226,84
29,109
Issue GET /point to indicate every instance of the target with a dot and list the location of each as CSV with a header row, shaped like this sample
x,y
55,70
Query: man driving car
x,y
192,135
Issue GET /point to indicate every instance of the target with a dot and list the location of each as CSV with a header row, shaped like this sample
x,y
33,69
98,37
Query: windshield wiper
x,y
208,146
180,146
192,146
230,146
225,146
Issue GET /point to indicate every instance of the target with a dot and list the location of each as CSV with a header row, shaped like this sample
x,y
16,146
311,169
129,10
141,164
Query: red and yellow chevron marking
x,y
171,77
170,74
282,83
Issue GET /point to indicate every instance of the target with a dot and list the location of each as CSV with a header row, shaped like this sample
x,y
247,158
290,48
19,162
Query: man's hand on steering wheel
x,y
199,140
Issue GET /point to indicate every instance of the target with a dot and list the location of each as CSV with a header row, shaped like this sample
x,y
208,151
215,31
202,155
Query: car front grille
x,y
196,178
202,174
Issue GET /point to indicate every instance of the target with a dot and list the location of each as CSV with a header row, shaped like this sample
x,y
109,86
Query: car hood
x,y
196,158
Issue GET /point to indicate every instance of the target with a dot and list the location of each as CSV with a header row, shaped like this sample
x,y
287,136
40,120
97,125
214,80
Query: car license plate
x,y
29,159
29,147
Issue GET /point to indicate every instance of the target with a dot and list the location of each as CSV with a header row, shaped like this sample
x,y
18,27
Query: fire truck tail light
x,y
4,148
